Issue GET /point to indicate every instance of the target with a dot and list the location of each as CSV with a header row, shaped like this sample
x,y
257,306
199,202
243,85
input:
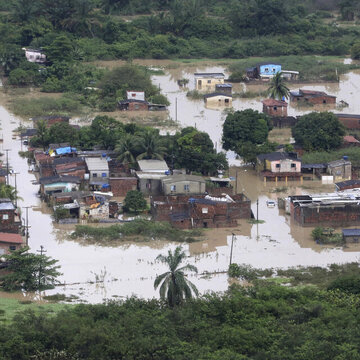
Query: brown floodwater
x,y
97,272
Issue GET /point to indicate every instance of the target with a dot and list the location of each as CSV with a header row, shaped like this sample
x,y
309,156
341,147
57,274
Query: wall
x,y
269,69
316,100
195,187
219,100
207,84
138,106
285,166
121,185
275,110
150,186
8,225
5,247
350,123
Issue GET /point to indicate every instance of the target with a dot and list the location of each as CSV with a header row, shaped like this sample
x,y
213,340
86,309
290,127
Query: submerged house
x,y
223,88
10,242
183,184
339,169
208,81
275,108
267,71
312,97
218,99
9,217
279,166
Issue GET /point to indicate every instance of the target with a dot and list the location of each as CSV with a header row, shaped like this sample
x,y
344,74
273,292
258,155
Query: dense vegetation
x,y
262,322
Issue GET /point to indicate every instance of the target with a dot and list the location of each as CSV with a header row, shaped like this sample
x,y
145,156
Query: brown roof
x,y
273,102
11,238
350,139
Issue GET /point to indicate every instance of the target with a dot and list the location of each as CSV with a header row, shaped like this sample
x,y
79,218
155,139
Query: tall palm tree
x,y
174,285
150,146
277,89
125,149
9,192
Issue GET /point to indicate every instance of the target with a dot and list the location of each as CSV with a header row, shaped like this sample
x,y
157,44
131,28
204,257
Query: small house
x,y
275,108
10,242
290,75
183,184
312,97
208,81
268,70
35,55
9,218
351,235
339,169
218,99
149,183
135,95
350,140
347,185
98,169
279,166
218,186
223,89
133,105
153,166
57,183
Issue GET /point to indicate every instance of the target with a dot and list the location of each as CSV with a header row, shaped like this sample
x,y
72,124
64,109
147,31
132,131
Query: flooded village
x,y
63,186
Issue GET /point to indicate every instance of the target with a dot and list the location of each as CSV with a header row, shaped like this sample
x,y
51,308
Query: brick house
x,y
312,97
9,219
10,242
133,105
121,185
350,121
274,107
200,211
71,166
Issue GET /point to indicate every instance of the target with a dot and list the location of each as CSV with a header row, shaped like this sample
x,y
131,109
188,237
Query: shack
x,y
274,107
347,185
351,235
153,166
133,105
312,97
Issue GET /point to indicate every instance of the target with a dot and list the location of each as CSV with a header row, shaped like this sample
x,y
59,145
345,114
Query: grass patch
x,y
279,189
311,68
323,157
254,221
64,105
146,230
194,95
250,94
10,307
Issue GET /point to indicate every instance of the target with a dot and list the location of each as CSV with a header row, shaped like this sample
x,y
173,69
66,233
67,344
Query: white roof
x,y
154,176
97,164
153,165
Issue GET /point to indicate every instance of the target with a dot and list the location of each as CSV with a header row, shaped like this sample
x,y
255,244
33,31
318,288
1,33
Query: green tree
x,y
135,201
60,50
28,271
125,149
8,192
150,146
277,89
42,134
355,51
175,288
107,131
319,131
62,132
246,133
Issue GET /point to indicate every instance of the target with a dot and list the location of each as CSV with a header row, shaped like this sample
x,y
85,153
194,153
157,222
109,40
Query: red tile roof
x,y
350,139
273,102
11,238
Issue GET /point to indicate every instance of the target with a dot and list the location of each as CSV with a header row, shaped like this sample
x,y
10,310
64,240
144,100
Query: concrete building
x,y
183,184
98,170
218,99
149,183
208,81
339,169
312,97
274,107
9,218
10,242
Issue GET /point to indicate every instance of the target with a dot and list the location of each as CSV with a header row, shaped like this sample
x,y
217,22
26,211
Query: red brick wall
x,y
9,224
137,106
316,100
219,191
280,112
350,123
120,186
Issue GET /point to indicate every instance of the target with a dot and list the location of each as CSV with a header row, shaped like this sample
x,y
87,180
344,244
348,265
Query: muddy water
x,y
130,268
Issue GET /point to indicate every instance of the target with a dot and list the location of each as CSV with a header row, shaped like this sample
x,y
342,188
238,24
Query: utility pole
x,y
176,109
27,224
7,165
257,210
232,244
15,173
41,251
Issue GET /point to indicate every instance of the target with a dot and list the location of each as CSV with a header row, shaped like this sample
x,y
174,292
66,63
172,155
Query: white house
x,y
35,55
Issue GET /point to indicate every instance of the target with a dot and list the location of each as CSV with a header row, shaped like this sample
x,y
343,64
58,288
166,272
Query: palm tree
x,y
174,285
150,146
125,149
9,192
278,89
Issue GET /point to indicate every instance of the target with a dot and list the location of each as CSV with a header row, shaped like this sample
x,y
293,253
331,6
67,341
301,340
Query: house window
x,y
275,108
186,187
103,174
226,101
5,217
293,165
205,210
324,101
278,165
273,70
209,81
94,174
266,69
133,95
136,107
173,187
12,247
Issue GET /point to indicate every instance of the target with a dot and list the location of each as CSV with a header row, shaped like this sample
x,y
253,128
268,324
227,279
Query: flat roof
x,y
183,177
151,165
97,164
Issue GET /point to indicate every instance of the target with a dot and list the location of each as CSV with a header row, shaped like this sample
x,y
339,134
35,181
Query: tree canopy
x,y
319,131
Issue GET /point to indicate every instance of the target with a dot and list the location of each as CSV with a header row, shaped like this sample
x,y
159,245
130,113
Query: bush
x,y
135,201
348,284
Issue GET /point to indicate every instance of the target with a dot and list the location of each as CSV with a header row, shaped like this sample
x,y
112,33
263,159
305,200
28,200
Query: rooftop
x,y
340,162
217,94
154,176
273,102
350,116
351,232
350,139
59,178
153,165
183,177
11,238
97,164
210,75
278,156
7,205
346,183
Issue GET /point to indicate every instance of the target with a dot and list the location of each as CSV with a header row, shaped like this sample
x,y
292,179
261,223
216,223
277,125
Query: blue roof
x,y
351,232
65,150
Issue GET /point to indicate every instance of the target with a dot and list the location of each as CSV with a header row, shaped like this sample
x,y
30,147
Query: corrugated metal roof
x,y
151,165
351,232
154,176
97,164
7,206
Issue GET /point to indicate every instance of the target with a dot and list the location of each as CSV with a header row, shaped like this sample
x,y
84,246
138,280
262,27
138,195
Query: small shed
x,y
351,235
274,107
133,105
218,99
